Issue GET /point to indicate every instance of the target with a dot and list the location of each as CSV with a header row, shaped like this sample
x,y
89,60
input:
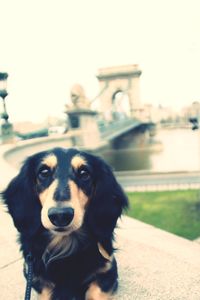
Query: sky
x,y
46,46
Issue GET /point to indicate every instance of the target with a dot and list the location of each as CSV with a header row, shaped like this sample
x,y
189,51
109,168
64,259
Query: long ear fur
x,y
21,200
107,203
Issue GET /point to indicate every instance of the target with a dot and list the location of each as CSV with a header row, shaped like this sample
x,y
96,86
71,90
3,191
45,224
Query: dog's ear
x,y
107,202
21,199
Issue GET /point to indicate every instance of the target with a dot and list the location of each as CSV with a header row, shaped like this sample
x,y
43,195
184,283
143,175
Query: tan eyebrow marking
x,y
50,161
77,161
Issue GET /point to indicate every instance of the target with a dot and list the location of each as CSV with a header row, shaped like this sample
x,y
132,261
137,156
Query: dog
x,y
65,204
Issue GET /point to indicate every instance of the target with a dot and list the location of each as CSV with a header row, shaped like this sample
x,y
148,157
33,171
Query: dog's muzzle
x,y
61,216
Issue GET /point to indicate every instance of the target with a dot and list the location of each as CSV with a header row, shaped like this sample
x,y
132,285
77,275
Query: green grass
x,y
174,211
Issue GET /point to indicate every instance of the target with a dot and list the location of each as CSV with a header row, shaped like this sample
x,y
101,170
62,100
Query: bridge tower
x,y
119,79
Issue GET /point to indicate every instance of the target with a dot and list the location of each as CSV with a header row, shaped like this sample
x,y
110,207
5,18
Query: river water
x,y
176,150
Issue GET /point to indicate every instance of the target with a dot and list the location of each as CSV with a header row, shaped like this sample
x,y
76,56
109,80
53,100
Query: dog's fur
x,y
73,261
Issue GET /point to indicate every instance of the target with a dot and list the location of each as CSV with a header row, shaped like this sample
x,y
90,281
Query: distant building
x,y
157,114
192,111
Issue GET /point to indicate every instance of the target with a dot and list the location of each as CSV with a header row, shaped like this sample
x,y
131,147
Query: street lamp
x,y
4,94
6,129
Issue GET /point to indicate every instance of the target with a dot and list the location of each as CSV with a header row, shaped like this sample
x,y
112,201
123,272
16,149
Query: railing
x,y
136,181
108,130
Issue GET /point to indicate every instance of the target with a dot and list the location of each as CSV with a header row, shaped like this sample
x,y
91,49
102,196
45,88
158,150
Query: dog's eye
x,y
44,173
83,174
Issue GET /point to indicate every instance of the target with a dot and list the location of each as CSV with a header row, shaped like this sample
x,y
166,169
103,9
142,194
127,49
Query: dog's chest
x,y
75,272
77,268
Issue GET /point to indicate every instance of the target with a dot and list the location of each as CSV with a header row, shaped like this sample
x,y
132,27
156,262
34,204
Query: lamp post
x,y
4,94
6,127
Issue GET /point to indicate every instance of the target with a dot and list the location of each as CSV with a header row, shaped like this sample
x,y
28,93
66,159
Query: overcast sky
x,y
48,45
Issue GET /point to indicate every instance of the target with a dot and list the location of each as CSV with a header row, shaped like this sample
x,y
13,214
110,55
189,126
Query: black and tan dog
x,y
65,204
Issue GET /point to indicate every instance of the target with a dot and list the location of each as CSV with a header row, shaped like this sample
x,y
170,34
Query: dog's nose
x,y
61,216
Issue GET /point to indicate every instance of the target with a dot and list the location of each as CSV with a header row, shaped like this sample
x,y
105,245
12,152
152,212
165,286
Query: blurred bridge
x,y
111,131
119,107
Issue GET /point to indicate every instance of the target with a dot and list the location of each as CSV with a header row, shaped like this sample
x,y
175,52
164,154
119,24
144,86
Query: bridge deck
x,y
115,129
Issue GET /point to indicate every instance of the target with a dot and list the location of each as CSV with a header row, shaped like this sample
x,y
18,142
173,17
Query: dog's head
x,y
61,190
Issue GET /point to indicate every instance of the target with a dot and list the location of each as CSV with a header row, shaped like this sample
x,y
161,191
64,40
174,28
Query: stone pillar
x,y
119,78
134,97
83,123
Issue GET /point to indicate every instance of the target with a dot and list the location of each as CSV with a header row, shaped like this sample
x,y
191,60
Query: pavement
x,y
153,264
